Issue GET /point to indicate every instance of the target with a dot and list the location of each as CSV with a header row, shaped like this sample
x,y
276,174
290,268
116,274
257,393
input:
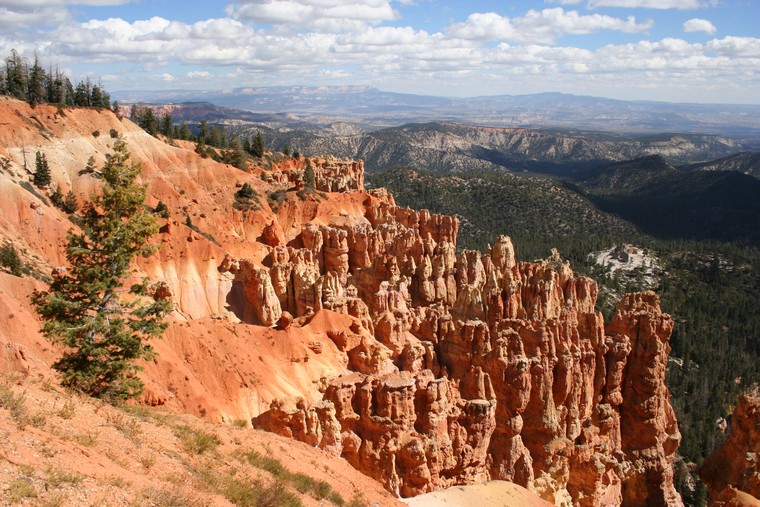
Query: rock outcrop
x,y
732,472
339,319
483,367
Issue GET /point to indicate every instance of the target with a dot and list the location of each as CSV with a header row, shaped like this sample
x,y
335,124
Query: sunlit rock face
x,y
337,318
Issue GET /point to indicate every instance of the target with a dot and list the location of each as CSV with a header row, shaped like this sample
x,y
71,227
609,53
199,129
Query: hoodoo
x,y
332,316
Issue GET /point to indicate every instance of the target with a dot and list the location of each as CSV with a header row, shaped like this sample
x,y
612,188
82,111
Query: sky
x,y
665,50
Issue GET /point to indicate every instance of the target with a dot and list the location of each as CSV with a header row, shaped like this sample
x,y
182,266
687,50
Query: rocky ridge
x,y
732,472
337,318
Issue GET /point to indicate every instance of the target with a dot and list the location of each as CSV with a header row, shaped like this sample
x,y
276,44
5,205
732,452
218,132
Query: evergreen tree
x,y
85,309
56,196
184,132
161,210
56,91
238,158
148,121
245,192
165,125
69,203
16,75
203,132
217,138
309,178
82,93
36,90
10,259
96,96
134,113
68,92
257,150
42,171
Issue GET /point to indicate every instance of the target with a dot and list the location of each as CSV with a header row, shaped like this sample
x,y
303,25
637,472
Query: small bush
x,y
277,198
148,461
128,426
67,410
58,477
113,133
245,192
20,489
86,439
69,204
15,403
10,259
175,497
96,133
196,441
277,495
161,210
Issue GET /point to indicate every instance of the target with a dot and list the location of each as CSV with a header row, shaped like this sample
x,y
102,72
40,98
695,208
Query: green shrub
x,y
196,441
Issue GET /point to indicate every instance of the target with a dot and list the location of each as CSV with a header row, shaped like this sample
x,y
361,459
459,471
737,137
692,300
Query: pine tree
x,y
10,259
82,93
165,125
161,210
69,203
309,178
148,121
42,171
257,150
36,93
16,75
238,156
103,324
184,131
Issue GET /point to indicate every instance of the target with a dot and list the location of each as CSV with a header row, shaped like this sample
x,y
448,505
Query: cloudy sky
x,y
671,50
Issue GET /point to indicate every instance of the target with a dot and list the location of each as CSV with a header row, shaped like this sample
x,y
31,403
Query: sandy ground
x,y
493,493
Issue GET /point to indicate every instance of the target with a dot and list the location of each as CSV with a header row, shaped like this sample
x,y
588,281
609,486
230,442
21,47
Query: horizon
x,y
464,97
676,51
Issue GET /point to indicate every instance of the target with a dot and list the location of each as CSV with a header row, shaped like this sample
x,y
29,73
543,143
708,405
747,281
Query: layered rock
x,y
421,367
483,367
331,174
732,472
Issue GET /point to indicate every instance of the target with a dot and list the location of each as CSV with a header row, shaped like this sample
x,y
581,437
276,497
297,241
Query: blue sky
x,y
670,50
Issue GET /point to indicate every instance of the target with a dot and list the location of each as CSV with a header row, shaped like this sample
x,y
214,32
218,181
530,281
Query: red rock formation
x,y
578,413
422,368
732,472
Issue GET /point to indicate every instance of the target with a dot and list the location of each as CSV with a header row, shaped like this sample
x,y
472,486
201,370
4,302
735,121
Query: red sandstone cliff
x,y
732,472
341,320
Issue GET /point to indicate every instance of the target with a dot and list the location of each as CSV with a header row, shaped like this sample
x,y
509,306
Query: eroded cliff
x,y
332,316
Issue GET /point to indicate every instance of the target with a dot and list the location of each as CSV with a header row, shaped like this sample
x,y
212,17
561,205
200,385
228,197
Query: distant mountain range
x,y
372,108
456,148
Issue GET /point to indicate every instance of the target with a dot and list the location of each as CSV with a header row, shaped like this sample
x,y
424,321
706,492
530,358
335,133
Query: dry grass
x,y
61,443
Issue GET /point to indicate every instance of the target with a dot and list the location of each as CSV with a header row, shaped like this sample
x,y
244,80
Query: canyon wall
x,y
332,316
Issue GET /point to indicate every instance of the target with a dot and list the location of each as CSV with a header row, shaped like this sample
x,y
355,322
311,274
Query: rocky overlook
x,y
339,319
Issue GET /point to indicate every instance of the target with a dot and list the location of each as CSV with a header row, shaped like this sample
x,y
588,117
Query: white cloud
x,y
16,14
11,19
486,52
33,4
737,47
699,25
648,4
544,26
329,16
